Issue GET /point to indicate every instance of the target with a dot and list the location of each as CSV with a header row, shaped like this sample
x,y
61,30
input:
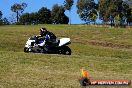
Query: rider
x,y
49,37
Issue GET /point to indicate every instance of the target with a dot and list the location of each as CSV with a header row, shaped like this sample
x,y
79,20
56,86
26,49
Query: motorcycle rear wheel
x,y
65,50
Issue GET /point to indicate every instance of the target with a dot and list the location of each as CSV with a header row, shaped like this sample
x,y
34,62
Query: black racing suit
x,y
50,40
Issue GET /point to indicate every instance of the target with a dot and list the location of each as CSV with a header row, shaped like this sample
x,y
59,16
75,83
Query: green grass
x,y
105,52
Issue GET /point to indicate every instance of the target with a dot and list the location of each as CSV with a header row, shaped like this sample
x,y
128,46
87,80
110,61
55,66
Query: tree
x,y
1,14
129,12
67,5
58,16
87,10
117,21
109,9
1,17
34,18
129,2
24,19
5,21
93,16
29,18
44,15
129,16
18,9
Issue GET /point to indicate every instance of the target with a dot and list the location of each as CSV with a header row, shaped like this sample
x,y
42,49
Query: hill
x,y
105,52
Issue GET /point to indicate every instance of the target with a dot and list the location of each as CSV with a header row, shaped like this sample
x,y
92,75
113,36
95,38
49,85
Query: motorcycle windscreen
x,y
64,41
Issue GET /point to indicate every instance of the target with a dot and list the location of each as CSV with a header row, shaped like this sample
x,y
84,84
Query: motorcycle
x,y
58,47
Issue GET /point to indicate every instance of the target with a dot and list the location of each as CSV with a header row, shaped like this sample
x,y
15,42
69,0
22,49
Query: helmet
x,y
43,31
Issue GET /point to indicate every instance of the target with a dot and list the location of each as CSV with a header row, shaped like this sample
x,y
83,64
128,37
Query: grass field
x,y
105,52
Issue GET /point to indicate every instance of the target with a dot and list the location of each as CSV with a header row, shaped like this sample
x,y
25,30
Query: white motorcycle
x,y
58,47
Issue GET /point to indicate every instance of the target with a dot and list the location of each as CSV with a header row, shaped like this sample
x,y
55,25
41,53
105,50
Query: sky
x,y
35,5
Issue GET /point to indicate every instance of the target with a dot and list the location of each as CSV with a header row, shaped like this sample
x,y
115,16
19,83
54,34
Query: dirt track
x,y
104,44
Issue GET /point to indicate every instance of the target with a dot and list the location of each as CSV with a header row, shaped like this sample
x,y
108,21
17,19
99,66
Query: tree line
x,y
42,16
113,12
3,21
45,16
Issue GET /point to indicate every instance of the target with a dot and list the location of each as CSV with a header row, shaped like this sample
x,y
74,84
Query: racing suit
x,y
49,40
